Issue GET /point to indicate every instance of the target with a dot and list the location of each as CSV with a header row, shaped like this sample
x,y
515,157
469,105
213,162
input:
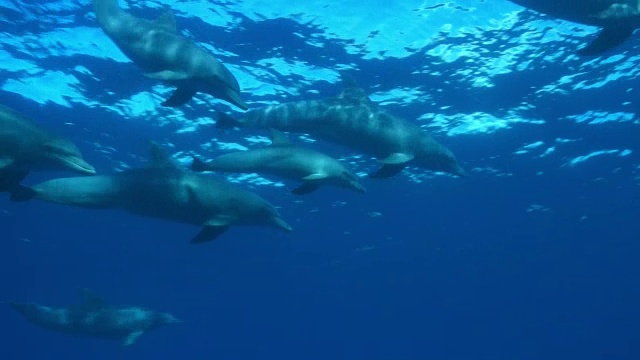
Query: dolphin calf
x,y
96,319
351,119
162,191
617,18
26,146
282,159
164,54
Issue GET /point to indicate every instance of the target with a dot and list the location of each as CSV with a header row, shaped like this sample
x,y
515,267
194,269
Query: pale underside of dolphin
x,y
285,160
94,318
164,54
162,190
352,120
617,18
26,146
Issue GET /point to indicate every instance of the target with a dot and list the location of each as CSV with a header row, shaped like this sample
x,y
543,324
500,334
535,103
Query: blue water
x,y
531,256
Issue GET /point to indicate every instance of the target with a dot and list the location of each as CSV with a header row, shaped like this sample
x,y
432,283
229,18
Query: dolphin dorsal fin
x,y
91,301
278,138
352,93
158,157
167,21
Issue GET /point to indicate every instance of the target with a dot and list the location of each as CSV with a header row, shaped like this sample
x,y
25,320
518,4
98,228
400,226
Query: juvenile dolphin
x,y
96,319
617,18
164,54
353,120
26,146
162,191
282,159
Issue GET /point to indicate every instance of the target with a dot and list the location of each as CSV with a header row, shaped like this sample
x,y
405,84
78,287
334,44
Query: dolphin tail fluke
x,y
209,233
179,97
225,121
606,39
198,165
22,193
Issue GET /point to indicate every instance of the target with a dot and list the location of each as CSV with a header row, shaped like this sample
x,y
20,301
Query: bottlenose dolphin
x,y
163,191
96,319
617,18
164,54
26,146
353,120
282,159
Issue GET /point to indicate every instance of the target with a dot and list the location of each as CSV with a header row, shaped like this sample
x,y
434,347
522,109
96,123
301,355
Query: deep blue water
x,y
453,268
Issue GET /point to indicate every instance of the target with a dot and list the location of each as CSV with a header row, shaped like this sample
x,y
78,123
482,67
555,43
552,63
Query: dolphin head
x,y
63,154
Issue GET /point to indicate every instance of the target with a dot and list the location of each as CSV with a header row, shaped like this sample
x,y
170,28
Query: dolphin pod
x,y
353,120
282,159
163,54
161,190
94,318
26,146
617,18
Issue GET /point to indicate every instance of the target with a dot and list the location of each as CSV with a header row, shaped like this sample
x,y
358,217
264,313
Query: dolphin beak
x,y
79,165
281,224
234,98
358,187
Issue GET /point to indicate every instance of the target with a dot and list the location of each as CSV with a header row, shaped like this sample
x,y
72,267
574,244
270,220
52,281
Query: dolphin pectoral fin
x,y
387,171
10,179
22,193
209,233
167,75
179,97
167,21
315,176
606,39
132,337
305,188
397,159
6,162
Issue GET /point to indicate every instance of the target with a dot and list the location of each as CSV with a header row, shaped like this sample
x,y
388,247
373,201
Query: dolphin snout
x,y
79,165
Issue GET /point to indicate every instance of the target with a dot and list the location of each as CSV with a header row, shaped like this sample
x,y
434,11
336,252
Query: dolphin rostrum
x,y
617,18
26,146
354,121
96,319
283,159
164,54
162,190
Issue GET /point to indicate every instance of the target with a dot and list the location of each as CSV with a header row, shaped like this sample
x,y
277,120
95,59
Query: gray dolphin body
x,y
164,54
26,146
354,121
617,18
282,159
96,319
163,191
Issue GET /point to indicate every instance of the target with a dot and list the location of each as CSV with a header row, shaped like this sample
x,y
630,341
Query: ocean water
x,y
533,255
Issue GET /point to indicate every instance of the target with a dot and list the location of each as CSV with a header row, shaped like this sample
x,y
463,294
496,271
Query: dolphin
x,y
353,120
617,18
162,190
282,159
26,146
96,319
164,54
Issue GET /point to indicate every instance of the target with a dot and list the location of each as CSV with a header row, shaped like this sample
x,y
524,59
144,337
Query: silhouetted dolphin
x,y
96,319
26,146
282,159
353,120
162,191
617,18
164,54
